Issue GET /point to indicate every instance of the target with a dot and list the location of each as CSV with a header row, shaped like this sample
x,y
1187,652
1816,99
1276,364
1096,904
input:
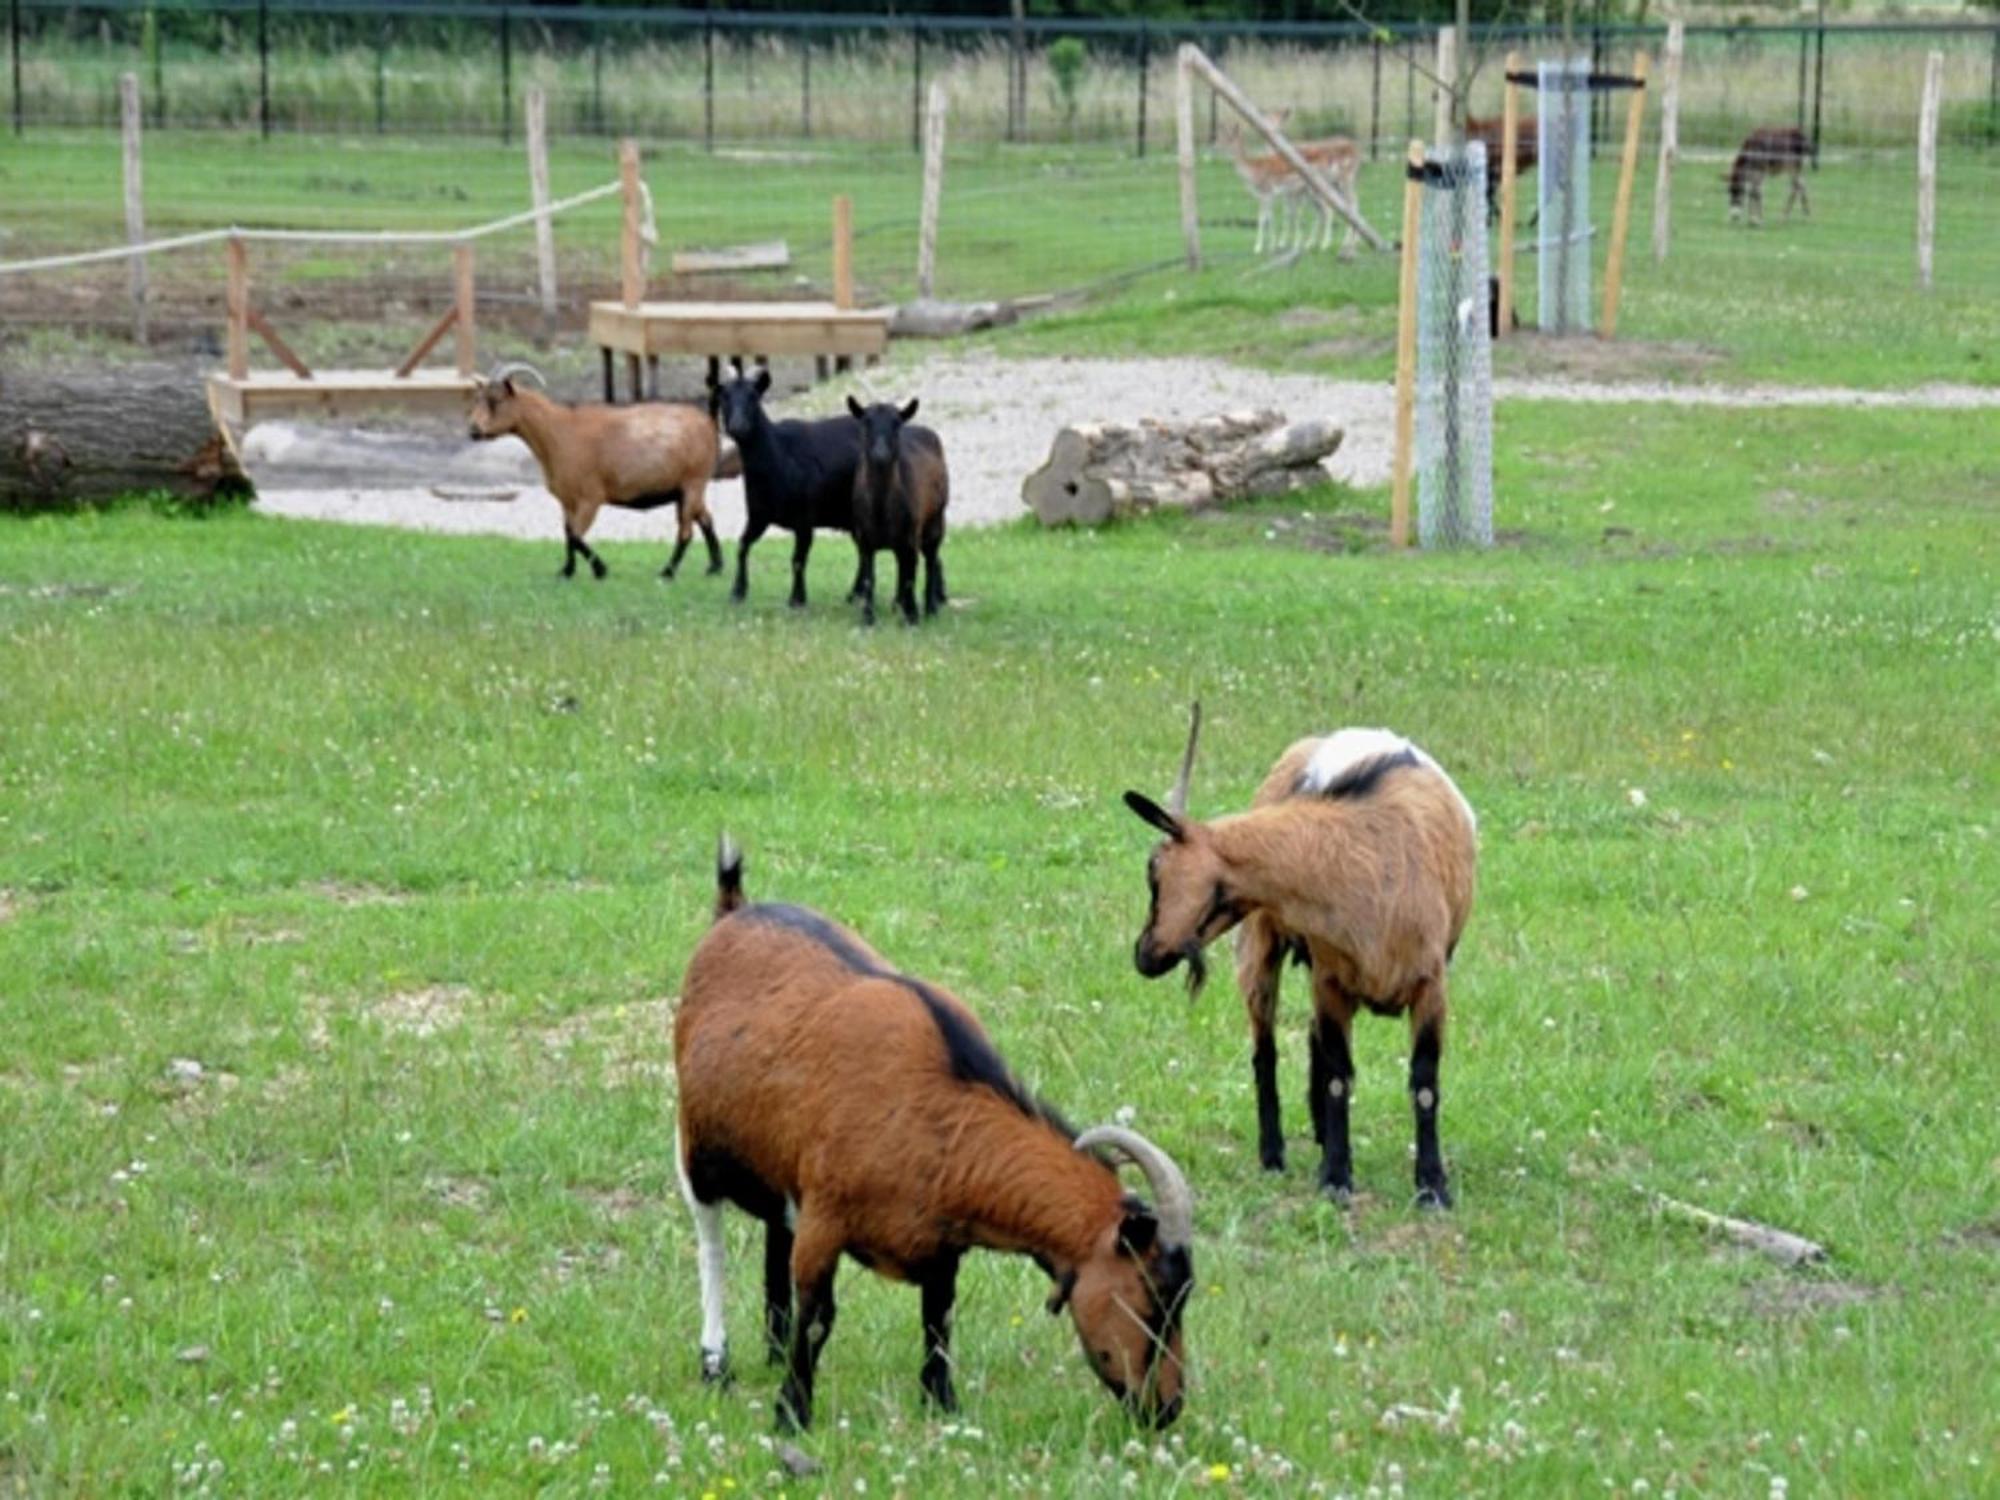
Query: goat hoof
x,y
666,575
597,569
1272,1160
715,1369
1434,1198
713,569
1340,1195
795,603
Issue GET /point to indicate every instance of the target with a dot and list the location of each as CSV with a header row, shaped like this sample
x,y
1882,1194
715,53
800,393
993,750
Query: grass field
x,y
405,844
1830,301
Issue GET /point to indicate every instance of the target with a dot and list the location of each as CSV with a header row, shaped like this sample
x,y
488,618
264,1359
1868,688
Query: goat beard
x,y
1197,969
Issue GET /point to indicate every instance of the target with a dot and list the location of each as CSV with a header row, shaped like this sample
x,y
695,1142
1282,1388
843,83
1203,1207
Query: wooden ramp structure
x,y
834,333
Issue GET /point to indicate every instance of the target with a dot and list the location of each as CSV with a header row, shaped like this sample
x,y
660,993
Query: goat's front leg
x,y
1260,959
864,586
777,1289
814,1260
1333,1022
683,535
906,582
714,547
569,553
1426,1051
934,595
863,559
802,545
752,530
940,1293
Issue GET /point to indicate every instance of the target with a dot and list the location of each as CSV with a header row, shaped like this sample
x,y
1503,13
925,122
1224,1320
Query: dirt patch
x,y
422,1013
1984,1235
348,893
586,1261
66,590
1355,347
633,1042
10,904
1791,1299
460,1192
617,1203
1531,353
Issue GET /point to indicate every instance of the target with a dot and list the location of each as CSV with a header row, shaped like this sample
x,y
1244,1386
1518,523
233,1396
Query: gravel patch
x,y
997,417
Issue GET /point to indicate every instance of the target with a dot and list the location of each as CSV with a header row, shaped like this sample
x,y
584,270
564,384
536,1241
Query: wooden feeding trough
x,y
834,333
240,397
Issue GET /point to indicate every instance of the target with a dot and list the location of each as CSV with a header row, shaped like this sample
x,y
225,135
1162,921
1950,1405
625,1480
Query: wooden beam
x,y
1185,151
135,201
1510,155
934,121
843,252
427,343
1444,130
538,189
237,301
1317,185
286,356
764,255
1406,354
465,309
1621,214
1670,143
631,265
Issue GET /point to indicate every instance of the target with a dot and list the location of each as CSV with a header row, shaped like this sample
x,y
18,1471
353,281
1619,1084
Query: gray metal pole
x,y
264,68
14,44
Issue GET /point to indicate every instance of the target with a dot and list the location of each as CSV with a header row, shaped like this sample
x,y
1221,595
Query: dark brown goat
x,y
855,1109
900,492
1357,856
1527,147
1768,151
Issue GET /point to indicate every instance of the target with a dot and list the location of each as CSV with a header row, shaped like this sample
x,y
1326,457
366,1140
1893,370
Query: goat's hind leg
x,y
709,1261
802,545
1426,1052
777,1289
906,583
815,1257
1333,1023
1260,957
939,1284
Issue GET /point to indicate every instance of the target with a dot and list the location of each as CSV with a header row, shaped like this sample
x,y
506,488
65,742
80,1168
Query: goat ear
x,y
763,381
1138,1231
1059,1298
507,386
1157,815
855,409
910,410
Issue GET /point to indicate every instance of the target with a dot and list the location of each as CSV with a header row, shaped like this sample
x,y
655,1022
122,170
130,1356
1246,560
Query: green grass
x,y
406,844
1832,300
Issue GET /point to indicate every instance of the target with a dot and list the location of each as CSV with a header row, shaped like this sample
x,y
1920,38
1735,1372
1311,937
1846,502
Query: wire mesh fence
x,y
1562,198
1454,389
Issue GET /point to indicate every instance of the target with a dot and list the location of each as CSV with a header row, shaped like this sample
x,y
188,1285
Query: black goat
x,y
899,500
798,475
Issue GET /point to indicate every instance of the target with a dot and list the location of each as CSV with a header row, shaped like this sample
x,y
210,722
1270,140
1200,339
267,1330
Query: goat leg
x,y
751,533
864,586
1432,1191
811,1326
569,554
777,1290
940,1293
934,596
906,583
1336,1163
714,547
802,545
680,549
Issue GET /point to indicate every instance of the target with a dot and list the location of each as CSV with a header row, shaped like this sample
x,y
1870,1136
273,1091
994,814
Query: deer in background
x,y
1492,133
1282,195
1768,151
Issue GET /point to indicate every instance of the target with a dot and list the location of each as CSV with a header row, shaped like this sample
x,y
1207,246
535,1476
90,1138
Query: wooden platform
x,y
334,393
721,330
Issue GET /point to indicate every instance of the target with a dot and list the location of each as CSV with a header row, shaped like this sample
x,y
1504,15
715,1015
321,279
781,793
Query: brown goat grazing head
x,y
1192,902
495,412
1127,1298
881,431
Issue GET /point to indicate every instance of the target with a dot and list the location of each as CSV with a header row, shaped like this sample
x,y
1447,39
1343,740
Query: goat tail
x,y
728,876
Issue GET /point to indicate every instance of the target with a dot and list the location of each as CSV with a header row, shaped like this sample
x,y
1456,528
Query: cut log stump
x,y
74,435
1102,471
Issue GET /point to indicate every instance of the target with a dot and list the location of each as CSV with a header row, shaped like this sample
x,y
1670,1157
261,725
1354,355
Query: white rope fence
x,y
649,233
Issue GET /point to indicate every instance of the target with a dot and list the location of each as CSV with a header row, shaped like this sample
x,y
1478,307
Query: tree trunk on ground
x,y
73,435
1104,470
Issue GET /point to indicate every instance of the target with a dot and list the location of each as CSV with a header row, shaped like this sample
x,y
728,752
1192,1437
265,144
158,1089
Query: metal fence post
x,y
1145,52
1819,83
14,45
1375,99
806,86
382,80
1804,48
159,76
708,82
506,78
264,68
916,87
597,77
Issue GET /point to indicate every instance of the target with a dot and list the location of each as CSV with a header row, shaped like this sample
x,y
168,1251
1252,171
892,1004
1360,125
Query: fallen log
x,y
70,435
1101,471
1780,1244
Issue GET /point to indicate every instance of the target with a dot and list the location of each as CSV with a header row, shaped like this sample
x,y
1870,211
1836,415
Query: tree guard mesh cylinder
x,y
1562,196
1454,394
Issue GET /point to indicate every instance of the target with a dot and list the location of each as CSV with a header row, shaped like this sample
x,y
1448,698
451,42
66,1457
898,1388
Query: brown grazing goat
x,y
1768,151
637,457
1357,857
856,1109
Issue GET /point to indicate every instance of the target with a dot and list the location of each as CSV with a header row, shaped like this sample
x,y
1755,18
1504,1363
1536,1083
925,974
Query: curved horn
x,y
515,366
1175,1205
1177,798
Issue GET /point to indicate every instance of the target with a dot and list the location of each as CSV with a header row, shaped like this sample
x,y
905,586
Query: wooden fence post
x,y
1670,144
1621,213
1184,146
1927,168
1406,352
934,119
632,269
1510,142
238,302
466,334
538,188
135,201
843,252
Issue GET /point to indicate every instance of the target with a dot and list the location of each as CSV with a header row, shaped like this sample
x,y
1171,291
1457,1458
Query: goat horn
x,y
501,372
1177,798
1175,1201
